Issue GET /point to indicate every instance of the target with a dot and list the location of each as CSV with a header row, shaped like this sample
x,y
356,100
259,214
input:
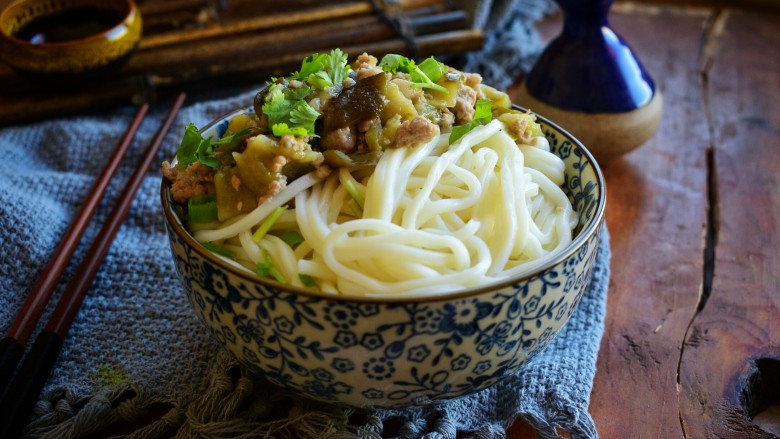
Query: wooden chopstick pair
x,y
23,391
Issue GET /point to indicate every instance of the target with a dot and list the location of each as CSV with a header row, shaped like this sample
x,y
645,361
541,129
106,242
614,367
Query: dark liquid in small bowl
x,y
69,25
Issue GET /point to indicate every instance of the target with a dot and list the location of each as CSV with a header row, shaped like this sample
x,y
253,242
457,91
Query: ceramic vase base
x,y
606,135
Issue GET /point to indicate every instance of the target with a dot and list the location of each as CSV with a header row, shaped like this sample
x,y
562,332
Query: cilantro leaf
x,y
276,106
393,63
320,80
194,148
303,115
390,63
288,112
232,139
190,145
310,66
210,161
461,130
337,67
323,70
297,94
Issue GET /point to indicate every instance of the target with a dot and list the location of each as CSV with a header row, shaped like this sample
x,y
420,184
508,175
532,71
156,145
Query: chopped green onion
x,y
292,238
433,69
267,268
352,190
482,114
280,129
394,63
202,209
484,110
267,223
306,280
214,248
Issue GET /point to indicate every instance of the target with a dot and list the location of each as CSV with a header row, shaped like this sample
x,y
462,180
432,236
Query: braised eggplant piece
x,y
363,101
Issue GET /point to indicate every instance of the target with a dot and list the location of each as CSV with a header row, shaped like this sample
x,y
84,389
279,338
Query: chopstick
x,y
12,345
18,401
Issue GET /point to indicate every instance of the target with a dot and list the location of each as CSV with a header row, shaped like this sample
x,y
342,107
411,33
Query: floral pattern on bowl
x,y
394,352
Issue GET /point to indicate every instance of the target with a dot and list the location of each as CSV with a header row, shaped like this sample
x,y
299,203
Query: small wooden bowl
x,y
65,39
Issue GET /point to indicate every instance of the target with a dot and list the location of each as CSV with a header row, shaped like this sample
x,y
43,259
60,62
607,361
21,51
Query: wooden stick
x,y
262,67
275,21
255,24
150,8
208,56
12,345
24,391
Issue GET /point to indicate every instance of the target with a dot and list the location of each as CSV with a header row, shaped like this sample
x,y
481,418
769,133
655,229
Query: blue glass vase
x,y
590,82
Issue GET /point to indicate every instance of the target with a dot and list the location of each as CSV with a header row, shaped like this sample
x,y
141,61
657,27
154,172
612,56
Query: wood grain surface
x,y
204,46
689,348
657,217
730,368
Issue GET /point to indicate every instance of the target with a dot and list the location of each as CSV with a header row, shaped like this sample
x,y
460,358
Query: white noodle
x,y
254,217
436,218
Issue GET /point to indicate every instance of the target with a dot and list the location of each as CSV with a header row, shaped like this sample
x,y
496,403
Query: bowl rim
x,y
125,22
585,235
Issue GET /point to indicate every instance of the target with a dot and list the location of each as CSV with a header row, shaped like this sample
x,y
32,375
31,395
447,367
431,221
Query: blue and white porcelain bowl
x,y
394,352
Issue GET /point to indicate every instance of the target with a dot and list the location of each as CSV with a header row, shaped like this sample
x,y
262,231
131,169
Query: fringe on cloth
x,y
236,404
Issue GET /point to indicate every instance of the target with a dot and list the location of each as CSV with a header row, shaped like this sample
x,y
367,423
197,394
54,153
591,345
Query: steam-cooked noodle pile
x,y
436,218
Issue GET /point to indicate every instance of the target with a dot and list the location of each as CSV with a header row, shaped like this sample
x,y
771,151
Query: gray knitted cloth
x,y
136,343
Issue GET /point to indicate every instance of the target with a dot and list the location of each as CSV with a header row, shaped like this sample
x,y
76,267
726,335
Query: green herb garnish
x,y
353,191
337,67
321,70
266,268
306,280
267,223
194,148
288,112
214,248
393,63
292,238
202,209
482,114
233,138
280,129
432,69
310,66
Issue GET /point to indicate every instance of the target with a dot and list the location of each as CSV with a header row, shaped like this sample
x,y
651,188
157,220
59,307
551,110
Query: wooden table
x,y
691,347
